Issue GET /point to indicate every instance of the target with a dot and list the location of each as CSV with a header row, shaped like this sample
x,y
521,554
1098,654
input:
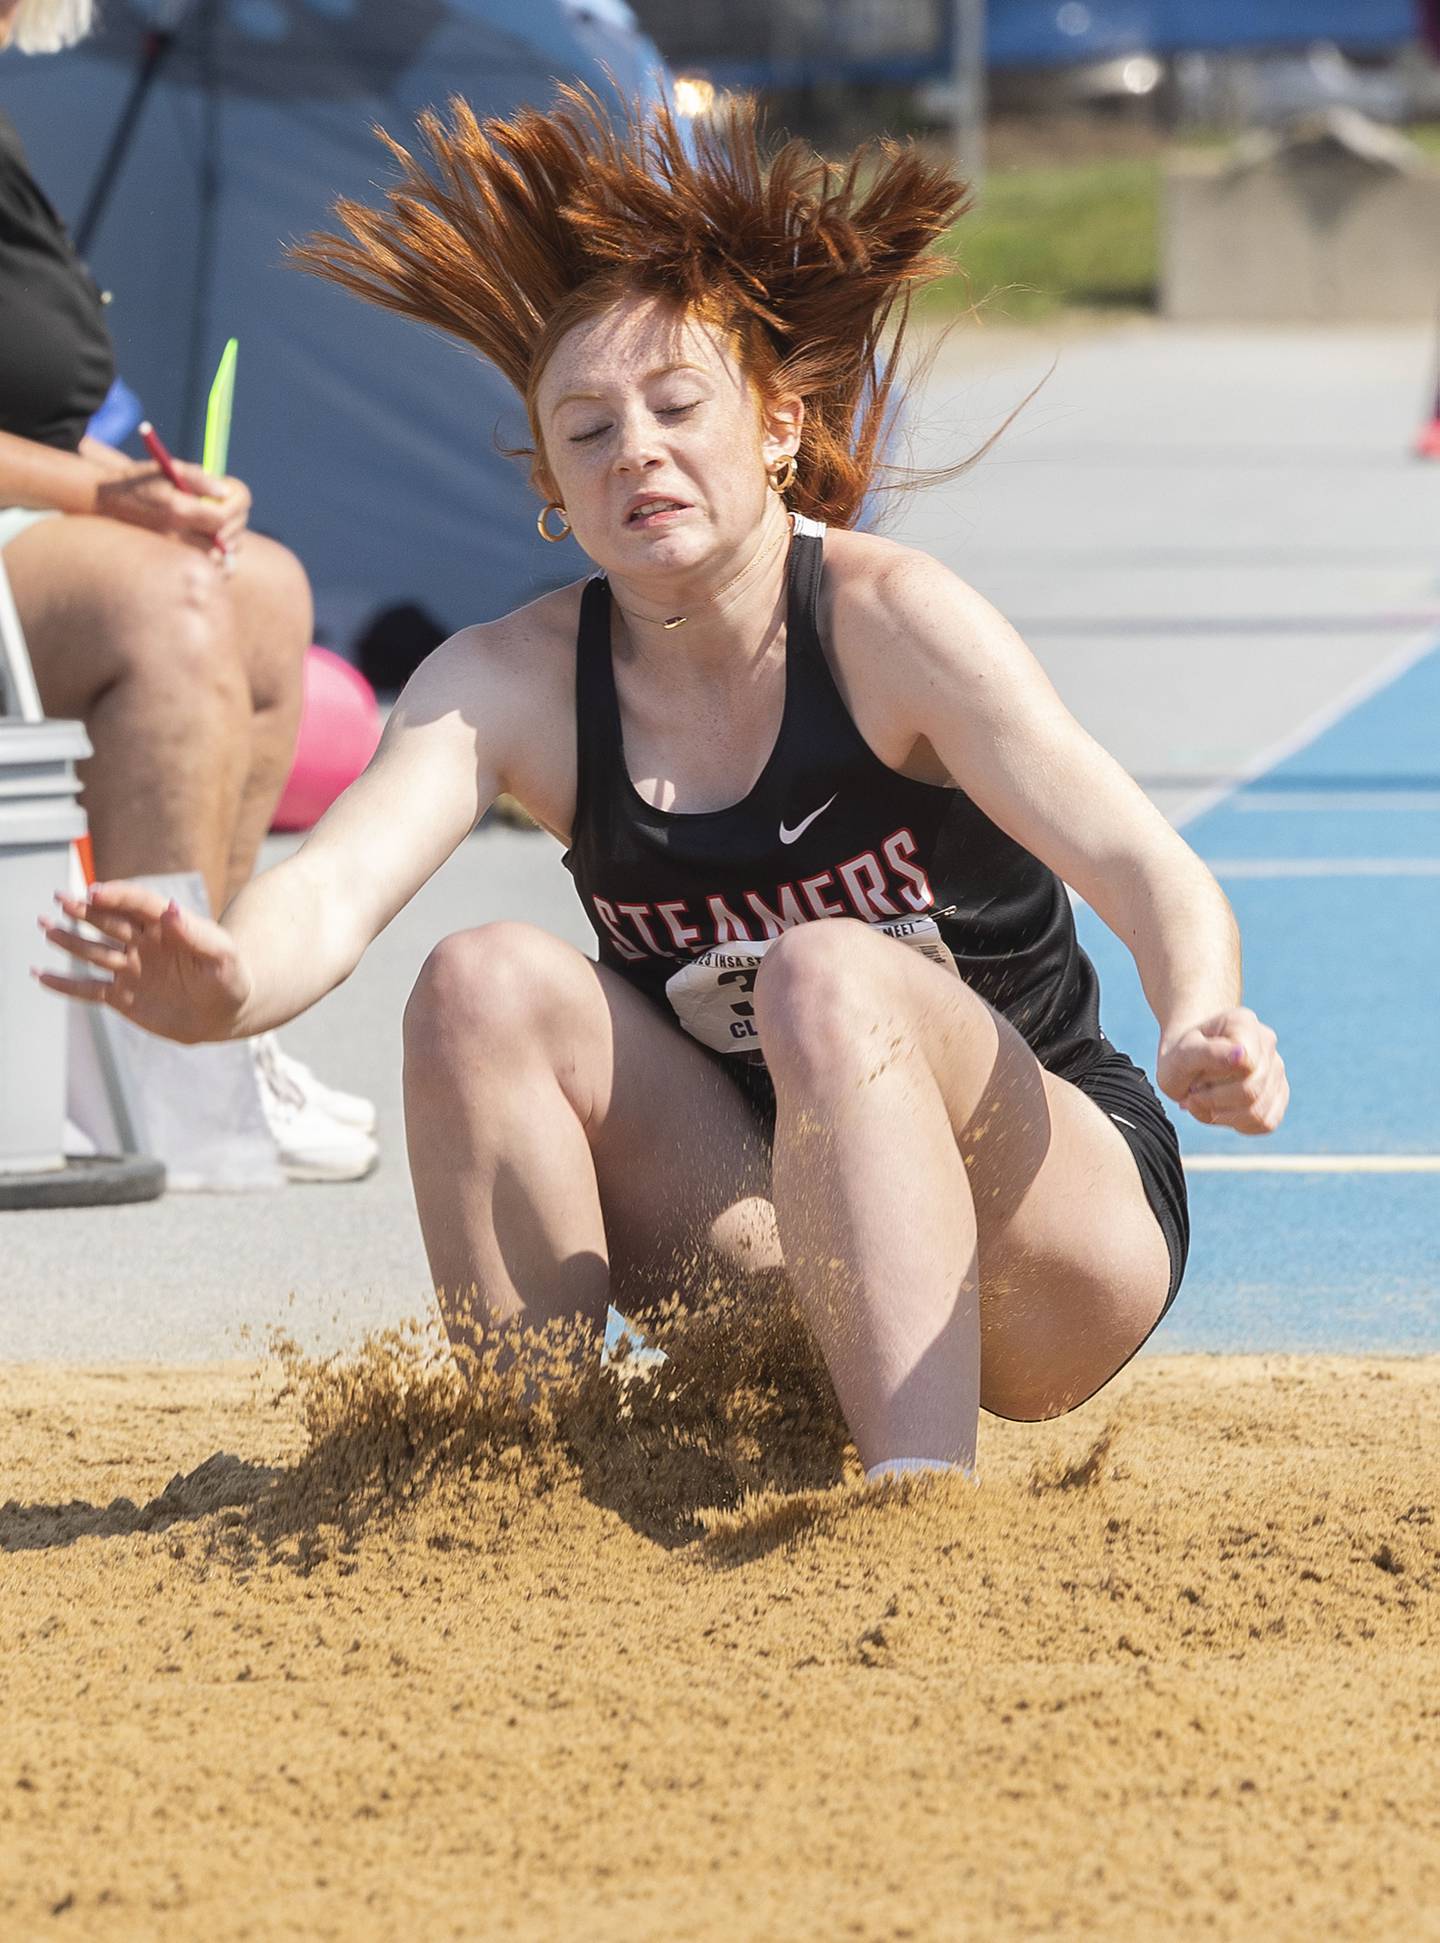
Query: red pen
x,y
159,452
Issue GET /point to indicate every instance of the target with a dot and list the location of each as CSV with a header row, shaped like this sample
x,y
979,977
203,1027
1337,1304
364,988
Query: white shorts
x,y
15,520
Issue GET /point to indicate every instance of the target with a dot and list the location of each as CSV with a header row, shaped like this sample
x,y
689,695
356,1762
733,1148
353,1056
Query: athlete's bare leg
x,y
960,1225
562,1133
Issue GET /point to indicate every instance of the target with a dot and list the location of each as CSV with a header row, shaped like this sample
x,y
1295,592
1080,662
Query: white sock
x,y
898,1466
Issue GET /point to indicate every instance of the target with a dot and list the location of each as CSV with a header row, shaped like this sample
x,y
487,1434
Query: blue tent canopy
x,y
1025,33
754,43
370,445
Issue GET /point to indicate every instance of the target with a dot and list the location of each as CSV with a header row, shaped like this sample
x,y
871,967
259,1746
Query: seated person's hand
x,y
213,516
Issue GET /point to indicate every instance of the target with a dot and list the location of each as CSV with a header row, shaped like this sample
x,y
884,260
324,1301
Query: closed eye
x,y
665,411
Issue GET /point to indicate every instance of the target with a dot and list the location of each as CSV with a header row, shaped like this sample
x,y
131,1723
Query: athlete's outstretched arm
x,y
298,930
967,683
305,925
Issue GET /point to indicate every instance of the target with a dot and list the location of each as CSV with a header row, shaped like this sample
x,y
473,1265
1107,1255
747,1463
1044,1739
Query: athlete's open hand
x,y
1227,1072
170,971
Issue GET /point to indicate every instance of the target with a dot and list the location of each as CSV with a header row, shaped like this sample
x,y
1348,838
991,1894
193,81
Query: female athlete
x,y
820,803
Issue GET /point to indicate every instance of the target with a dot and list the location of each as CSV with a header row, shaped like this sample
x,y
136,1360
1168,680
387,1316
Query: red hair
x,y
507,233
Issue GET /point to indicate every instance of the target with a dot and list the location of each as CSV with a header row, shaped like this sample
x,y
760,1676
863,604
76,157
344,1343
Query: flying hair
x,y
507,233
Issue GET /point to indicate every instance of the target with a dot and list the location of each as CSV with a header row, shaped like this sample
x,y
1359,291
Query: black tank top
x,y
827,831
56,362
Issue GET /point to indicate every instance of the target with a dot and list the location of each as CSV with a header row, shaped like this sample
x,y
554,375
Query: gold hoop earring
x,y
782,474
545,512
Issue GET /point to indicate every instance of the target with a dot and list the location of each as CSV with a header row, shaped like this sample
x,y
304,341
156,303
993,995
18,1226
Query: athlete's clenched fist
x,y
1227,1072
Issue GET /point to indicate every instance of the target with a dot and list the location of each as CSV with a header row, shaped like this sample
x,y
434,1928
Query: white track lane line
x,y
1321,802
1233,867
1311,1163
1235,794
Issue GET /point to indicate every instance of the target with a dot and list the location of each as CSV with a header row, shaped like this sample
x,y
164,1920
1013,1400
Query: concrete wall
x,y
1313,233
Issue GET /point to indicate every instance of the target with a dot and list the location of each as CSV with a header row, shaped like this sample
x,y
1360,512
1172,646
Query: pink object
x,y
1427,446
339,728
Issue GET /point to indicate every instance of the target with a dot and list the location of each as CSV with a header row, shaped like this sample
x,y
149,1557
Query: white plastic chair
x,y
20,698
18,693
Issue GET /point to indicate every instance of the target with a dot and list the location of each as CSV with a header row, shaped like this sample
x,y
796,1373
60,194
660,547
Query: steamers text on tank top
x,y
684,904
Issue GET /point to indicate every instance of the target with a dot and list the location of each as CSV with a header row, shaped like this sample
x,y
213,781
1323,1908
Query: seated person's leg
x,y
274,623
189,682
136,636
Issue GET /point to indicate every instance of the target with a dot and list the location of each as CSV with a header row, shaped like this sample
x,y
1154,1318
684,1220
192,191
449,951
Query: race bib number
x,y
712,995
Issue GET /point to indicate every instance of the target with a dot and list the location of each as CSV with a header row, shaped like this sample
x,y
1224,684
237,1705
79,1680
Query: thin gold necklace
x,y
679,620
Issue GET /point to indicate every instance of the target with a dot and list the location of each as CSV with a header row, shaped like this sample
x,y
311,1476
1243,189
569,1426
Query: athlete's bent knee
x,y
501,986
813,1000
819,997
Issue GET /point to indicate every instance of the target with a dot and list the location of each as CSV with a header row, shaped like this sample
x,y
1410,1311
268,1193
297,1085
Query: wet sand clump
x,y
364,1649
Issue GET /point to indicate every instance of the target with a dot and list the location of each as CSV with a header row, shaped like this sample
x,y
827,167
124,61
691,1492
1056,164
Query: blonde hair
x,y
45,26
509,232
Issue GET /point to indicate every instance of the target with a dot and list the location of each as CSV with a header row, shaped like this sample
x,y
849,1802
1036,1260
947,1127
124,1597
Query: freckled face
x,y
653,437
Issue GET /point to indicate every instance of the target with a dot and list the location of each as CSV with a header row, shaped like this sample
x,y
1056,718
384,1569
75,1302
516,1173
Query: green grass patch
x,y
1042,239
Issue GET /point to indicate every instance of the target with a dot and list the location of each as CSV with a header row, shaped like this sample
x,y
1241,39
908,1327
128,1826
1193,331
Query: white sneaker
x,y
313,1146
348,1108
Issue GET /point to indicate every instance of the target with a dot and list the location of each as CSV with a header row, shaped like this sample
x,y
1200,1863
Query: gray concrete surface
x,y
1335,220
1206,536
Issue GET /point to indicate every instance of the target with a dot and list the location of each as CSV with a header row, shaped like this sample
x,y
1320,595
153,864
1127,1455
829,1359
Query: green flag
x,y
216,455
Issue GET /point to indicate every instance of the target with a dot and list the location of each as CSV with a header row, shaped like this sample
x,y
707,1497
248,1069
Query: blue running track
x,y
1327,1234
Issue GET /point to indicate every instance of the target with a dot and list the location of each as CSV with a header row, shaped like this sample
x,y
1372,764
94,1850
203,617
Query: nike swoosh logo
x,y
789,836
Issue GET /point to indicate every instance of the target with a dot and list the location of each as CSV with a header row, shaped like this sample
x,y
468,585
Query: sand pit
x,y
372,1661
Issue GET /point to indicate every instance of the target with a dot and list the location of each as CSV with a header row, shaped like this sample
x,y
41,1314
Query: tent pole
x,y
156,45
967,79
192,406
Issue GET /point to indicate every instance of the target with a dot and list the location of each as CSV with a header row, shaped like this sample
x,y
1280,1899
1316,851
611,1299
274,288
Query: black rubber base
x,y
105,1181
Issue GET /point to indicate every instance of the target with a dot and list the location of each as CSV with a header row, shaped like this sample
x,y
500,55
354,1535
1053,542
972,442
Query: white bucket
x,y
39,819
